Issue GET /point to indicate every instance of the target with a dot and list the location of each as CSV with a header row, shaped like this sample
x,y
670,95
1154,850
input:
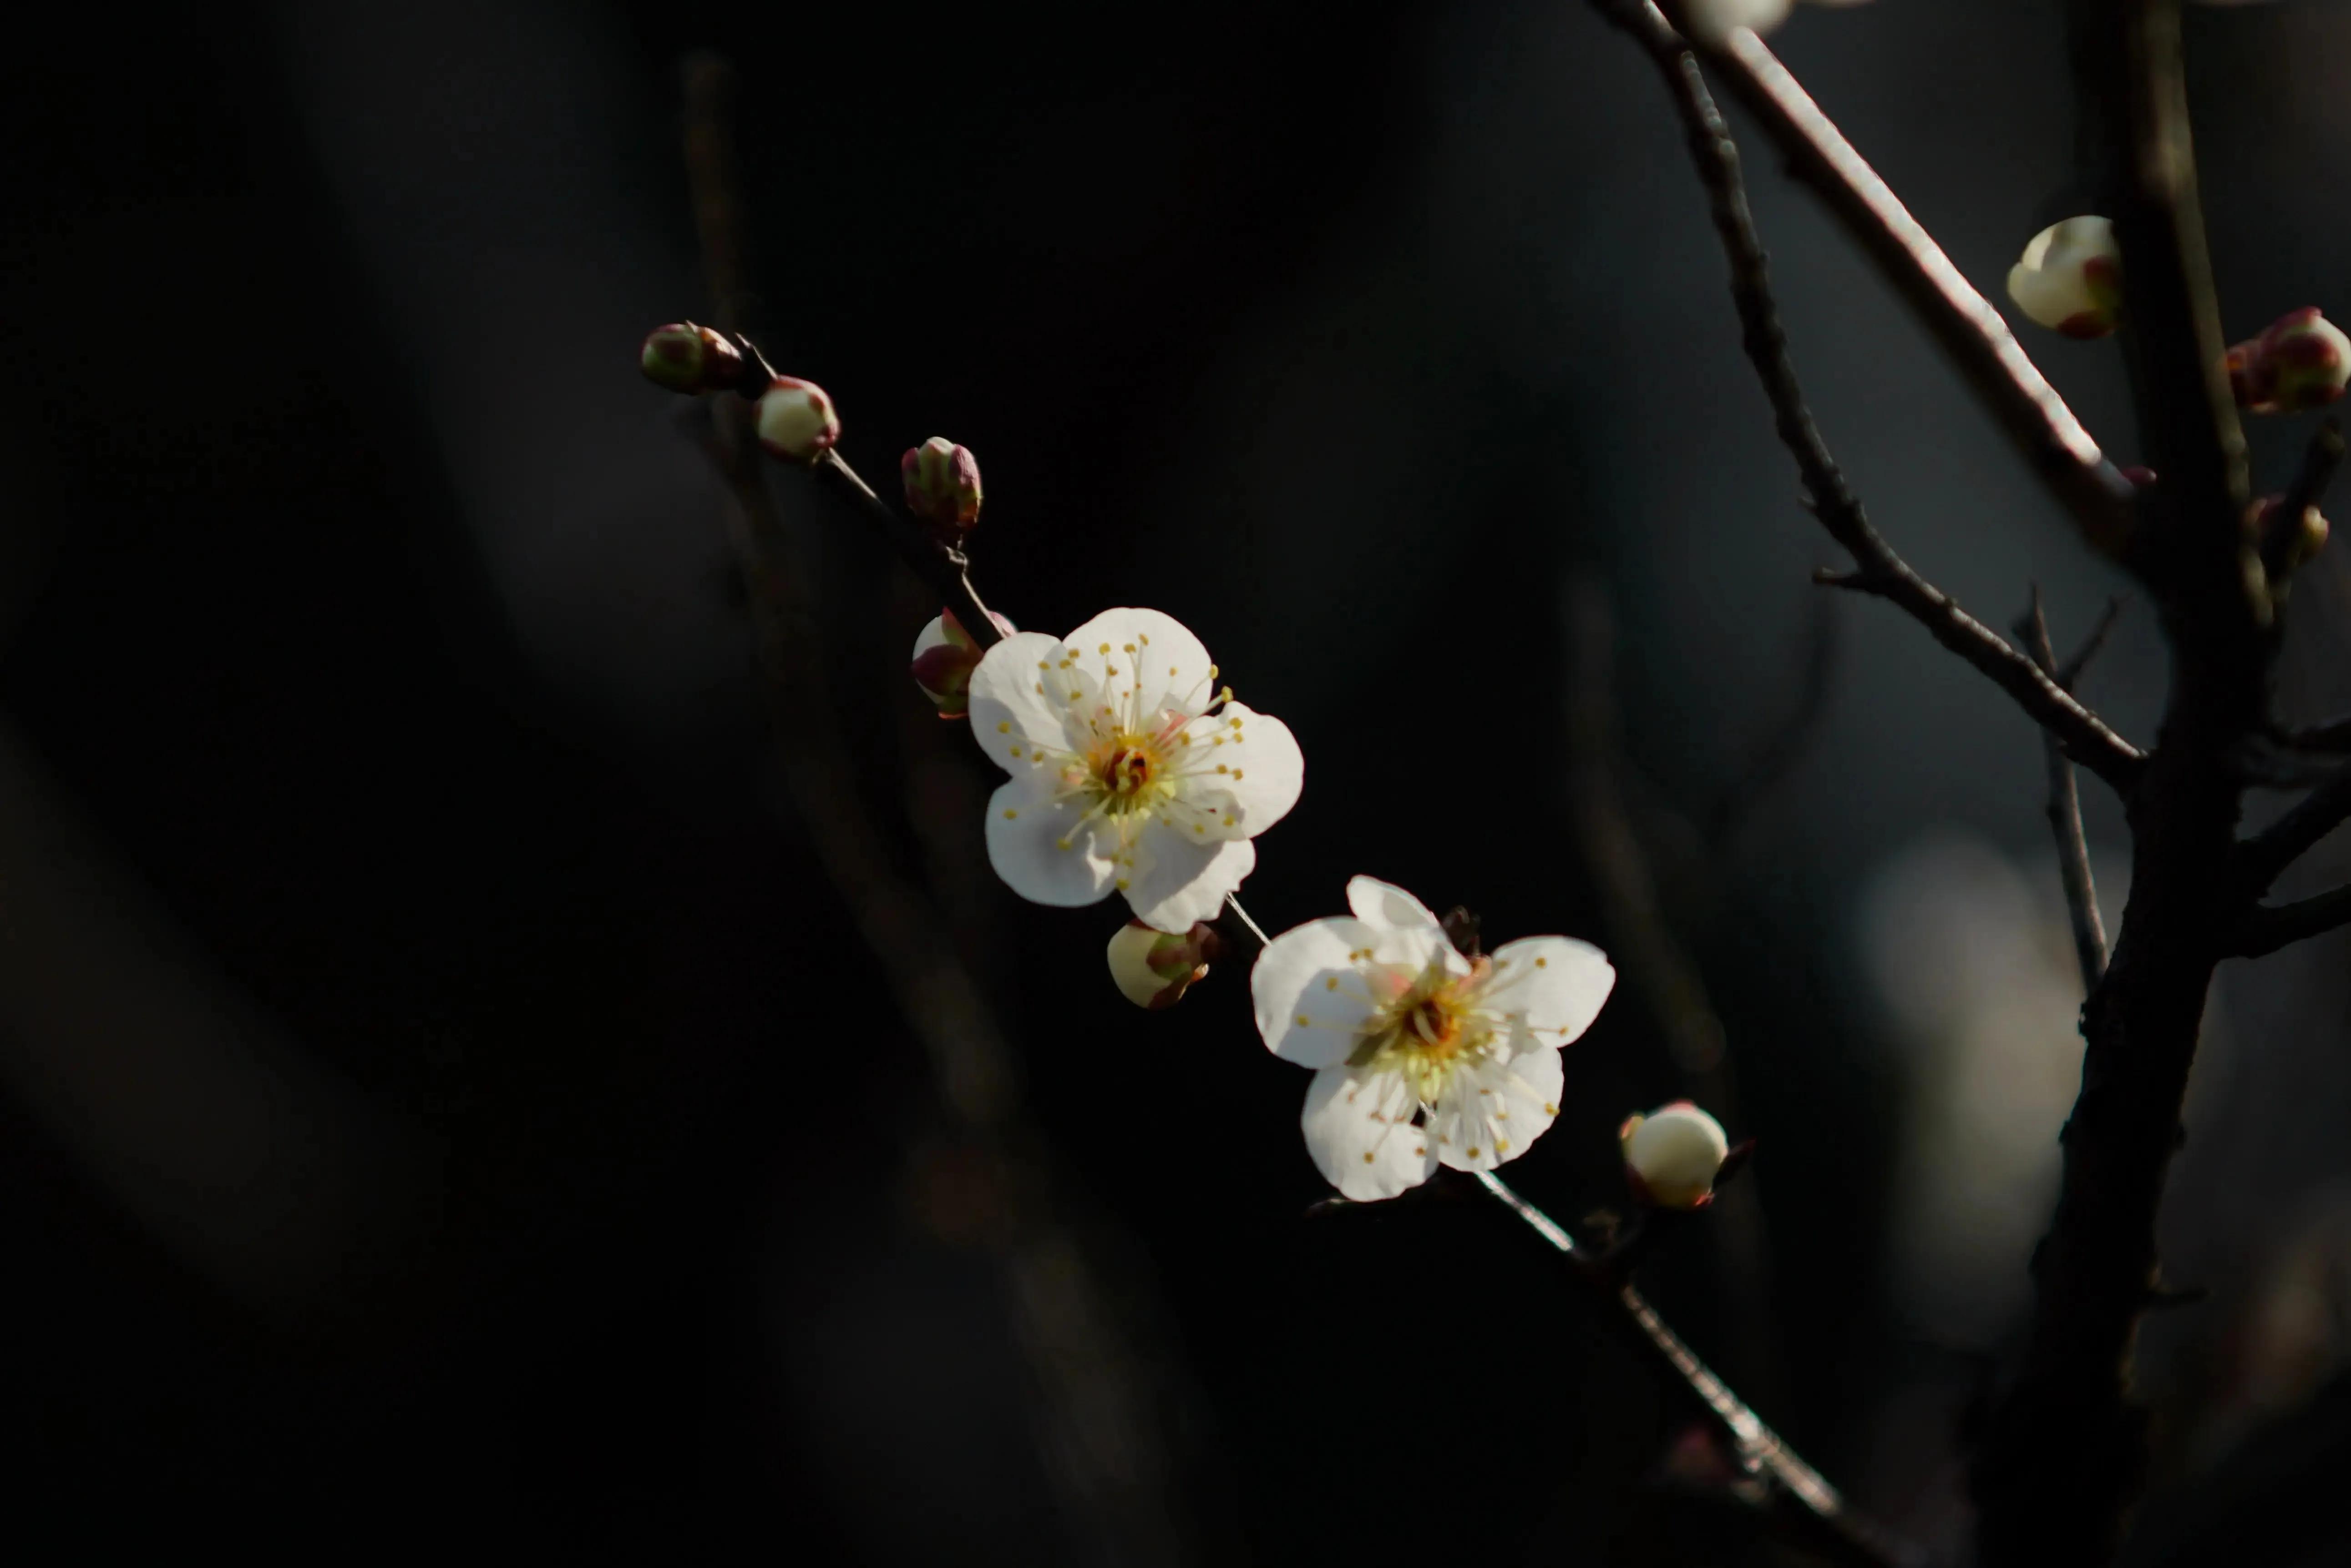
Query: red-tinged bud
x,y
797,424
942,483
945,657
2070,278
1673,1154
1154,968
2300,362
2141,478
685,357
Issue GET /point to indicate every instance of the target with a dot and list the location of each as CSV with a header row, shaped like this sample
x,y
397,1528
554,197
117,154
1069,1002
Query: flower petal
x,y
1020,697
1174,881
1554,985
1381,903
1268,769
1358,1127
1026,828
1312,1001
1492,1109
1150,655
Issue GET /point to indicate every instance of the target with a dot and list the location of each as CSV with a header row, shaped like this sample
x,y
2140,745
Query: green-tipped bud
x,y
1673,1154
942,483
685,357
797,423
1154,968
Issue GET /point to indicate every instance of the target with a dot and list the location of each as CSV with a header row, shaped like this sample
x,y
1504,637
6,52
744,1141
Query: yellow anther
x,y
1061,843
1004,727
1369,1158
1502,1146
1105,647
1304,1022
1542,963
1332,984
1121,884
1009,813
1473,1151
1237,774
1549,1108
1128,646
1016,751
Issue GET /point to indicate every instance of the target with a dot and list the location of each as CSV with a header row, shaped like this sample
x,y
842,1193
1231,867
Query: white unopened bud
x,y
2071,278
796,420
945,657
1154,968
1673,1154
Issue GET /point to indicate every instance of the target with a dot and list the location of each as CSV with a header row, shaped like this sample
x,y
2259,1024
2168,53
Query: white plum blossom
x,y
1131,770
1423,1057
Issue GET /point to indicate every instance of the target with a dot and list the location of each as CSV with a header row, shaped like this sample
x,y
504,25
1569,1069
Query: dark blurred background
x,y
442,1096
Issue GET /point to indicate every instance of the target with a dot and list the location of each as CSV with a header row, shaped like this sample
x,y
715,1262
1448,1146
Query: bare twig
x,y
2065,1453
2065,803
2268,852
2333,735
2069,673
1760,1450
2320,460
1970,332
1880,571
2273,927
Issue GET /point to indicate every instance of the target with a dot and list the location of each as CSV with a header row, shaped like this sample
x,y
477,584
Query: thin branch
x,y
2069,673
1760,1450
2273,927
2065,804
1970,332
2320,460
2333,735
2268,852
1881,571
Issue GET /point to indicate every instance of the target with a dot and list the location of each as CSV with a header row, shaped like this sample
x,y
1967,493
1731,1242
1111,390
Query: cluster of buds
x,y
942,483
796,422
1673,1155
945,657
2071,278
2300,362
1154,968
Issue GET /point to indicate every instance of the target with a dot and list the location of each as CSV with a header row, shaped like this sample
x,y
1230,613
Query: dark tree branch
x,y
2334,735
2268,852
1971,333
2273,927
1879,570
2063,1455
2065,802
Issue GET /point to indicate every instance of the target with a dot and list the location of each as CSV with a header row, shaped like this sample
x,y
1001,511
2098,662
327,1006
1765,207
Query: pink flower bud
x,y
685,357
942,483
945,657
2300,362
1673,1154
1154,968
2070,278
796,420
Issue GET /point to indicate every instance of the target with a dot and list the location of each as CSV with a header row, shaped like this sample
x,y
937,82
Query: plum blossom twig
x,y
1971,333
1879,570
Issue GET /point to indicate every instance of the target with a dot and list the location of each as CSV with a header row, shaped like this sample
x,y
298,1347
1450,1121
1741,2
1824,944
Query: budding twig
x,y
1971,333
2065,801
1880,571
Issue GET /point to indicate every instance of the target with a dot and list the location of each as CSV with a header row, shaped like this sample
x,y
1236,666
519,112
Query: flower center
x,y
1128,773
1428,1026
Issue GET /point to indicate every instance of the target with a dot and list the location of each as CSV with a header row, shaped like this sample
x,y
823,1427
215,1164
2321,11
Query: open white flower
x,y
1423,1057
1131,769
